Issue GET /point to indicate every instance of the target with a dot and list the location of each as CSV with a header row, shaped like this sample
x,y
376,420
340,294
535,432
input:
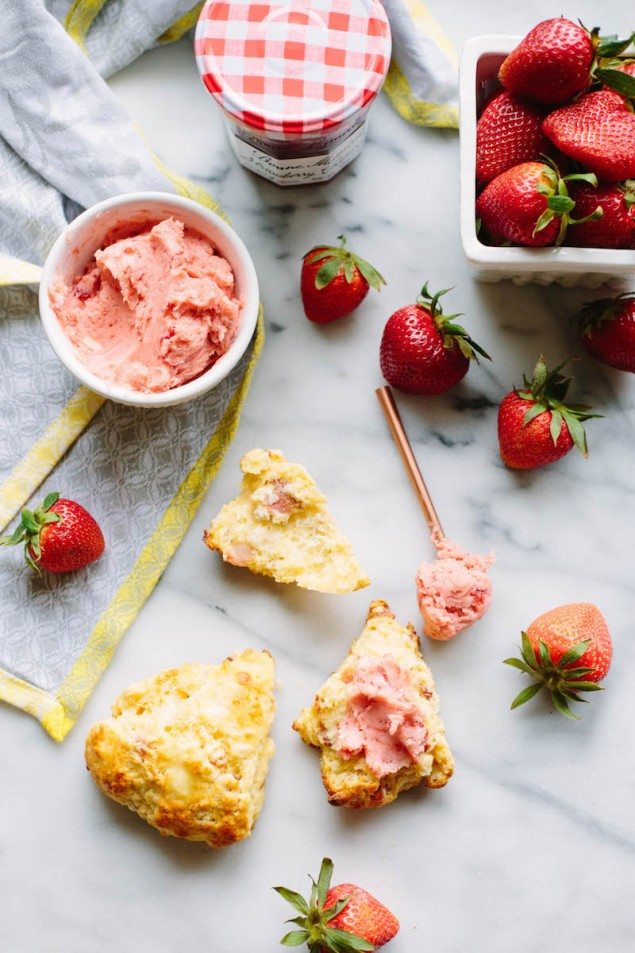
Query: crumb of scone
x,y
279,526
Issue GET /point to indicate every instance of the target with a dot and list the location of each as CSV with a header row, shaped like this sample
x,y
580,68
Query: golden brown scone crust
x,y
279,526
189,748
348,780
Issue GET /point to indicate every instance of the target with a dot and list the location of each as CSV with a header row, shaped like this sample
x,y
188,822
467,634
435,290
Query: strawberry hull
x,y
568,266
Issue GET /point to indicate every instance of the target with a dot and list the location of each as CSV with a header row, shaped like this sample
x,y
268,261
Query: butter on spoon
x,y
453,590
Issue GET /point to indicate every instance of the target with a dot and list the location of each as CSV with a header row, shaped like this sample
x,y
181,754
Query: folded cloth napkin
x,y
65,143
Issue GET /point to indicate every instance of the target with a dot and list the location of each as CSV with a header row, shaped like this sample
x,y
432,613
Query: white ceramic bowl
x,y
80,240
585,267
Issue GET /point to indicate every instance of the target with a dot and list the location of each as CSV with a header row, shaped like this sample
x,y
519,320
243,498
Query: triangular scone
x,y
279,526
189,748
376,720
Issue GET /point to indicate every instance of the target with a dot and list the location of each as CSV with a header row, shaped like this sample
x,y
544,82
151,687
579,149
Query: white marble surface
x,y
532,844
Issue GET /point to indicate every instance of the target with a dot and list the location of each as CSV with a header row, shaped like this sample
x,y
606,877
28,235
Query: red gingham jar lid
x,y
293,66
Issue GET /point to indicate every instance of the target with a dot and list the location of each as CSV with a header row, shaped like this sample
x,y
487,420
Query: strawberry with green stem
x,y
566,650
340,919
59,536
530,204
334,281
607,331
535,425
423,350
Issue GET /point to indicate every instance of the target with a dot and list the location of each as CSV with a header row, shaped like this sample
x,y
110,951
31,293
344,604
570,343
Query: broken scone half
x,y
279,526
189,748
376,720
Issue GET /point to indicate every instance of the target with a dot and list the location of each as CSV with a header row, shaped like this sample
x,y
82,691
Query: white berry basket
x,y
571,267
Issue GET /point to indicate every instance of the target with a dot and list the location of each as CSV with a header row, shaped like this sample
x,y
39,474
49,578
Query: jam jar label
x,y
300,171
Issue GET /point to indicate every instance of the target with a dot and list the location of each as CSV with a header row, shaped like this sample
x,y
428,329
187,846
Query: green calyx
x,y
451,332
559,203
546,392
564,680
596,313
340,259
617,80
29,528
314,918
609,57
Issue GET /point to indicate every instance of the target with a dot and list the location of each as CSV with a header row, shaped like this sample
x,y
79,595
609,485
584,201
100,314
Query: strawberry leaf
x,y
617,80
329,270
588,687
372,276
561,705
331,912
520,665
575,652
577,432
49,500
295,938
346,941
295,899
324,879
555,426
528,650
612,45
525,695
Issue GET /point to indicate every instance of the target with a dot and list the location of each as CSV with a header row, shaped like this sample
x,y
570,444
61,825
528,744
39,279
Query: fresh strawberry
x,y
342,919
508,132
334,282
598,131
59,536
607,331
529,204
566,650
616,227
424,351
535,426
552,64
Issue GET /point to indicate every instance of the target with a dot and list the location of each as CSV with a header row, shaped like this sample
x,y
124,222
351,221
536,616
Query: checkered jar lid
x,y
293,66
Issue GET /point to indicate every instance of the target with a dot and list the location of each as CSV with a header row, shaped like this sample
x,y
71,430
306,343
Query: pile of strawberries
x,y
555,155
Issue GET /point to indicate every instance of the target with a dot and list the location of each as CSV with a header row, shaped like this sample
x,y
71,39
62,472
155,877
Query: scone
x,y
376,720
189,748
279,526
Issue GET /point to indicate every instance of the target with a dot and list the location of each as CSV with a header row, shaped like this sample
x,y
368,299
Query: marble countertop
x,y
533,841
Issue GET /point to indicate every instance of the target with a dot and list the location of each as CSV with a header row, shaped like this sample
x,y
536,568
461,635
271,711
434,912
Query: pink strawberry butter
x,y
382,721
454,590
151,311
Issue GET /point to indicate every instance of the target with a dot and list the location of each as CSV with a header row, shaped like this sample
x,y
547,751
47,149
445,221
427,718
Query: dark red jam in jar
x,y
295,80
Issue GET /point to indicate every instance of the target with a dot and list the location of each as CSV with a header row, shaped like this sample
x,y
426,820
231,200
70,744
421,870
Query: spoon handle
x,y
387,402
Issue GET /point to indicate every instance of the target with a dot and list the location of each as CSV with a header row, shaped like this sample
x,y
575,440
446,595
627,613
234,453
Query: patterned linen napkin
x,y
67,143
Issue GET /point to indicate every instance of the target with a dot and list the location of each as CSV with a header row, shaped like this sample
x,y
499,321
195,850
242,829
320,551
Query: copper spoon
x,y
387,402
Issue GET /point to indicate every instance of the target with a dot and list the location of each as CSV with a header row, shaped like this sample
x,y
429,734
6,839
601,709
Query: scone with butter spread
x,y
376,720
189,748
279,526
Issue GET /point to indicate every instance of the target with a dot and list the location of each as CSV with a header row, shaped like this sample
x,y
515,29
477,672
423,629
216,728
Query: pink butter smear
x,y
382,721
454,591
153,310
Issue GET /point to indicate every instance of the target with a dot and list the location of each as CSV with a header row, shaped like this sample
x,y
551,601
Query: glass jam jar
x,y
295,80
